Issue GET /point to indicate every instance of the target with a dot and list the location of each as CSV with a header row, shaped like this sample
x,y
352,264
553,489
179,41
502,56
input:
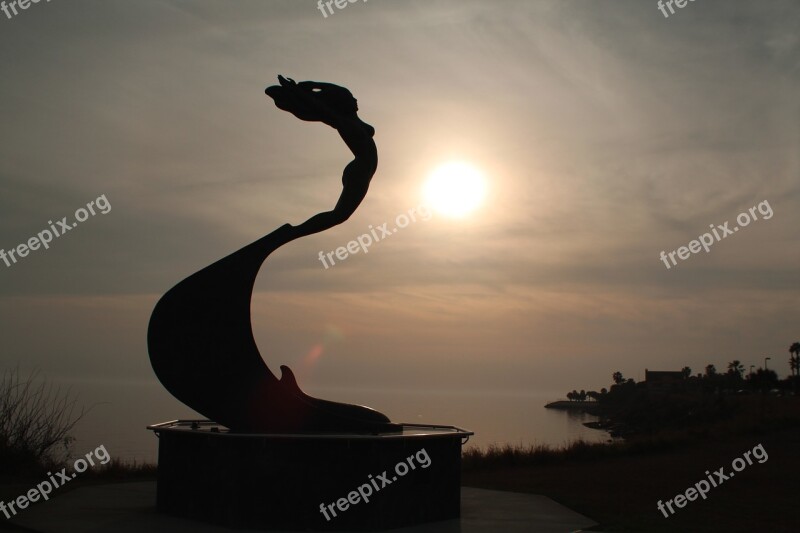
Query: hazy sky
x,y
607,134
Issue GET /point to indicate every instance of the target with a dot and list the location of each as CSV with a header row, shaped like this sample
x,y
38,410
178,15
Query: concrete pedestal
x,y
364,482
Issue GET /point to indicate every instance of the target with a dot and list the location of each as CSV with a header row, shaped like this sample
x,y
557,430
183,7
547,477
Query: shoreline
x,y
569,404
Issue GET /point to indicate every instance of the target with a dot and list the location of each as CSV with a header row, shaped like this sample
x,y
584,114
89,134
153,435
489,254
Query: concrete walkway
x,y
130,508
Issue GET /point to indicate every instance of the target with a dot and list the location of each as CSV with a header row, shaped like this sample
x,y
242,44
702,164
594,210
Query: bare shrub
x,y
36,418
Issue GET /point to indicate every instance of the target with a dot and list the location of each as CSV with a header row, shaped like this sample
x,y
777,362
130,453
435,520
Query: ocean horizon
x,y
118,413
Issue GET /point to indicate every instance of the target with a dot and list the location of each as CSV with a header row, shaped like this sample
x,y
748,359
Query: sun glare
x,y
455,189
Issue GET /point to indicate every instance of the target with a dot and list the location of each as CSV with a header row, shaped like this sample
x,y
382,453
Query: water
x,y
122,410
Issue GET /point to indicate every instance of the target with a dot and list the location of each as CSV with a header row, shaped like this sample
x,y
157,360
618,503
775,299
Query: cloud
x,y
608,134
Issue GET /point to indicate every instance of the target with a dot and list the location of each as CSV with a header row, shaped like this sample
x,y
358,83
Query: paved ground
x,y
130,508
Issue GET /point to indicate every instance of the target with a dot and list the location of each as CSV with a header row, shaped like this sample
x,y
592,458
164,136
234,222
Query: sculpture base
x,y
319,482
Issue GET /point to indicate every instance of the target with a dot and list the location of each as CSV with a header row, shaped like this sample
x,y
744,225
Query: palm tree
x,y
686,371
736,366
711,371
794,365
794,360
617,377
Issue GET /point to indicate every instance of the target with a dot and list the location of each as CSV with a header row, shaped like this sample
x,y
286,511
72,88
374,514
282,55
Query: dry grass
x,y
619,484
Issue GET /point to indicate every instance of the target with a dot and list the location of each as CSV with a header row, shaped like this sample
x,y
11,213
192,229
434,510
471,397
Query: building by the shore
x,y
664,381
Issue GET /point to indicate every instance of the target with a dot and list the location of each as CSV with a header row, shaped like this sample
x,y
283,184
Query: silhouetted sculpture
x,y
336,107
200,339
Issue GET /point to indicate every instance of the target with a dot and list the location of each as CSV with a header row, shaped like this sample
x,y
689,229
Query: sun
x,y
455,189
